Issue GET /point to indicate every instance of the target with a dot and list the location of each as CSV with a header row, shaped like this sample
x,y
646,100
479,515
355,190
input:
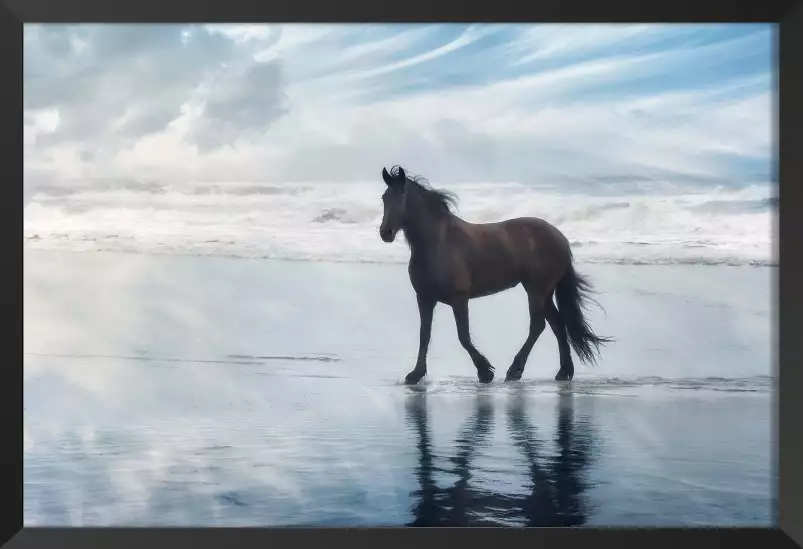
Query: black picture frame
x,y
789,116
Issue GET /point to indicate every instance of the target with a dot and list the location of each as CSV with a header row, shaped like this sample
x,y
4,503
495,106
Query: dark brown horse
x,y
453,261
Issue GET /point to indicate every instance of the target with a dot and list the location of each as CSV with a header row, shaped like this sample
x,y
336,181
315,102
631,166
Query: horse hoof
x,y
563,376
514,374
413,378
485,376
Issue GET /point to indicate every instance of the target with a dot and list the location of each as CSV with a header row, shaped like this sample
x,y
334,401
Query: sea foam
x,y
339,222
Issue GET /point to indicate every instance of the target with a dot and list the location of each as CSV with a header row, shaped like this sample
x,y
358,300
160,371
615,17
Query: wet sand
x,y
211,391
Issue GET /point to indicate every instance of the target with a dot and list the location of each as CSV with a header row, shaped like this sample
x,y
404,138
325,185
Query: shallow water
x,y
206,392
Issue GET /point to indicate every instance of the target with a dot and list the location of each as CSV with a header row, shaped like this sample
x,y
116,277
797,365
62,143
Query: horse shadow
x,y
556,495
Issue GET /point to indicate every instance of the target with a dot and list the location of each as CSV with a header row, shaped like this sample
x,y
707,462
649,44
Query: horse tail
x,y
572,294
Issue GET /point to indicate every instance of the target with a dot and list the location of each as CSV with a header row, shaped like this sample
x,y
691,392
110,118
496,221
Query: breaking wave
x,y
339,222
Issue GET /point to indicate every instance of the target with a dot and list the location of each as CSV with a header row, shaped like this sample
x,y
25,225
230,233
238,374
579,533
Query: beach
x,y
216,334
167,390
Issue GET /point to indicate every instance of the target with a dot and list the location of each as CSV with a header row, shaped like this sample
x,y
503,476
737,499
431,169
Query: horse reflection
x,y
556,494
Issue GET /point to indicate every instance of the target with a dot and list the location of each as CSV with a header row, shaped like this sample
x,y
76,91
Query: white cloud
x,y
39,122
538,43
312,102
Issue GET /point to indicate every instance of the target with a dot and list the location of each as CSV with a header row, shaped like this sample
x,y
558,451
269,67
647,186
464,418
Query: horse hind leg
x,y
537,325
566,371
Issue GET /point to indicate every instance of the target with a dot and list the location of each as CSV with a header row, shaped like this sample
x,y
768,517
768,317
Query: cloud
x,y
113,81
455,102
239,105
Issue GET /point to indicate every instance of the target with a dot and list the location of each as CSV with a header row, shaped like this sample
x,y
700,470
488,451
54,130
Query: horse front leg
x,y
485,371
426,309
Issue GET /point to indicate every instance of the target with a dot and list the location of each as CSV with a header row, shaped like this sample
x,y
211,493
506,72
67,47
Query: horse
x,y
453,261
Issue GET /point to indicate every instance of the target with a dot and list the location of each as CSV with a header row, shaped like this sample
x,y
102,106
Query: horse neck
x,y
422,229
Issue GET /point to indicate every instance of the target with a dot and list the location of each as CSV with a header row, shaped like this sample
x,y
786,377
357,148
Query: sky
x,y
606,103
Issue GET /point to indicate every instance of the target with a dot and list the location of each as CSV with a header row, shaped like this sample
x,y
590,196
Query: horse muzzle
x,y
387,235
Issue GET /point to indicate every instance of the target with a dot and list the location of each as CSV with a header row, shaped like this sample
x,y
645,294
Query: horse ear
x,y
386,176
401,175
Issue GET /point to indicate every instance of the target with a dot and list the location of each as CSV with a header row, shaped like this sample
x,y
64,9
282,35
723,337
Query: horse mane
x,y
437,199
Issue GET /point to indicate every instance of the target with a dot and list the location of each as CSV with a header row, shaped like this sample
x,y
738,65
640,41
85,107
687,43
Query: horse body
x,y
479,260
453,261
503,255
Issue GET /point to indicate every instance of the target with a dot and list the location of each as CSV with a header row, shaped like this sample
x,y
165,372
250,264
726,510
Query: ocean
x,y
338,222
233,355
